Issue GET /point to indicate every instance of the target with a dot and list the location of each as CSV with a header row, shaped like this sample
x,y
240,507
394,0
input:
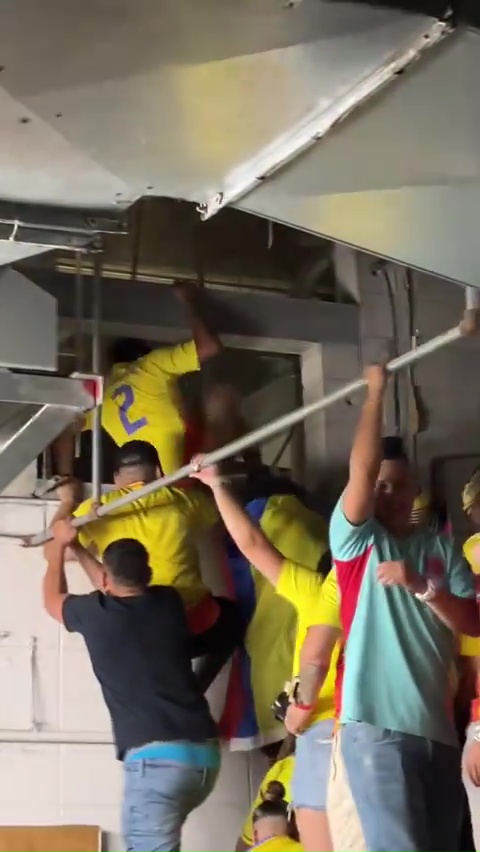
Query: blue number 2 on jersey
x,y
130,426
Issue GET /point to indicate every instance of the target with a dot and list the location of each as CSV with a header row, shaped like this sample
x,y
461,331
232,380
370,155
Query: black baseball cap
x,y
135,453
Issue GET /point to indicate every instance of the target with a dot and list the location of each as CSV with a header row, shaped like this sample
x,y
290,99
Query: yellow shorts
x,y
343,820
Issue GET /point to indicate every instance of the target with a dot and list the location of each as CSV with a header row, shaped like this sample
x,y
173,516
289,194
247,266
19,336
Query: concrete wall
x,y
447,380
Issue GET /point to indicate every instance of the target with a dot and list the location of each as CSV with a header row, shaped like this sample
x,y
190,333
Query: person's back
x,y
165,522
141,400
139,647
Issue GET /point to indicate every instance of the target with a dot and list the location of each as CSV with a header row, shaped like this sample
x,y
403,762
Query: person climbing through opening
x,y
165,522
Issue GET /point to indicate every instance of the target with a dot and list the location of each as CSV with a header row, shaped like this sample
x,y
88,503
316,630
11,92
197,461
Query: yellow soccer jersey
x,y
141,401
165,522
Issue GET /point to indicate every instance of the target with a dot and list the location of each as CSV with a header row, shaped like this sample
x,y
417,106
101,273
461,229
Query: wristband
x,y
475,710
304,706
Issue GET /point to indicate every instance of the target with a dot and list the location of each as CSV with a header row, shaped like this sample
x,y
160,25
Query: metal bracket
x,y
57,227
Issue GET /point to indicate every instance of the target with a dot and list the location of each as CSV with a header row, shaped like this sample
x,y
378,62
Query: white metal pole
x,y
267,431
97,412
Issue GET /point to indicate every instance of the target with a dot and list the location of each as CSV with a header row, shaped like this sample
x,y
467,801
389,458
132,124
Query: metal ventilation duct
x,y
103,102
400,178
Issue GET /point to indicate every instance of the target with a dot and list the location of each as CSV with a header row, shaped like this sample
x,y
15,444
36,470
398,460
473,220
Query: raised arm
x,y
54,582
92,567
247,535
366,454
207,343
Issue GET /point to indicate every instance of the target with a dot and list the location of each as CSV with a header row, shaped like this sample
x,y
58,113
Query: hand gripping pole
x,y
262,434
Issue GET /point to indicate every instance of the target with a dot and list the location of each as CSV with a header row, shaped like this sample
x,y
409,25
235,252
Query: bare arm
x,y
315,658
459,614
54,582
365,457
247,535
207,343
92,567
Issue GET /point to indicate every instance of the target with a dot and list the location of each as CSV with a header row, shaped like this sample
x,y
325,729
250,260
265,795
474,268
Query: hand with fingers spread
x,y
399,573
208,475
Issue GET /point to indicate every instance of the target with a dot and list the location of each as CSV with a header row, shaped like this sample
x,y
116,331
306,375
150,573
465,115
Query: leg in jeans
x,y
444,798
386,772
473,794
158,797
218,643
309,786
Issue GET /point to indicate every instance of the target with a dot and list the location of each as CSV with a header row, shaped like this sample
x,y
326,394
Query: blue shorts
x,y
312,766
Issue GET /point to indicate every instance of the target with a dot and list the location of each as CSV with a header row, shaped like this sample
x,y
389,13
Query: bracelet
x,y
429,594
304,706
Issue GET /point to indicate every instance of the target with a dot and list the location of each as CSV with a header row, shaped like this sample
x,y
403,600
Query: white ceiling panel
x,y
179,97
401,177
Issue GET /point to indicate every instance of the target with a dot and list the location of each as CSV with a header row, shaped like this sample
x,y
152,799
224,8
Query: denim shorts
x,y
312,766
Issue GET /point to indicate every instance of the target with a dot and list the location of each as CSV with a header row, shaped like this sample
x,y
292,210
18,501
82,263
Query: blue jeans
x,y
407,789
158,797
312,766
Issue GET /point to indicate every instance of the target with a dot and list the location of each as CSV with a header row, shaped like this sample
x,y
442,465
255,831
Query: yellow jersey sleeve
x,y
328,606
173,360
84,533
471,552
469,646
301,587
204,513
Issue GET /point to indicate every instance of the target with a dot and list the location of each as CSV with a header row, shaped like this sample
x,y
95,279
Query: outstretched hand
x,y
208,475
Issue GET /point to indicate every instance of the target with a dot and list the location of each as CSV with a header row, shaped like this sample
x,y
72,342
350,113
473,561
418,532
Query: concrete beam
x,y
268,321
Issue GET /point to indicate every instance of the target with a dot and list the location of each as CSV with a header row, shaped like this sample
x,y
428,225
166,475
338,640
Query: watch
x,y
429,594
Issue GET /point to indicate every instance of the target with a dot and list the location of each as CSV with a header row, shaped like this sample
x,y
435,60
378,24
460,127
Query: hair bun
x,y
275,792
